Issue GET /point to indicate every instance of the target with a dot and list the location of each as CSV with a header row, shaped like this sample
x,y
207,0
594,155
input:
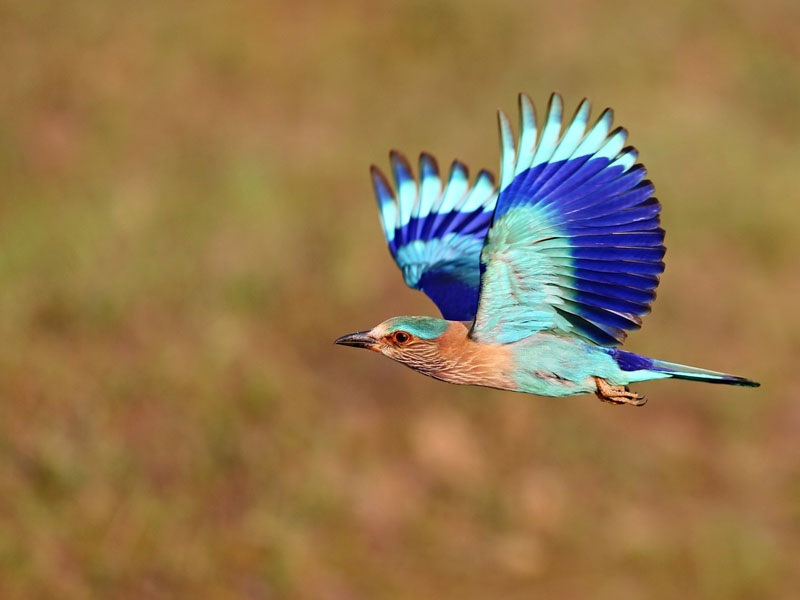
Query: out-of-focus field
x,y
187,223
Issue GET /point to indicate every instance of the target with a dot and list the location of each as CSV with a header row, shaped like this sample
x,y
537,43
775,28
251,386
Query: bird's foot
x,y
617,394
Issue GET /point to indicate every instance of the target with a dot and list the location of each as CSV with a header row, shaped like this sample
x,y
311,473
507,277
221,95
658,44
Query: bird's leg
x,y
617,394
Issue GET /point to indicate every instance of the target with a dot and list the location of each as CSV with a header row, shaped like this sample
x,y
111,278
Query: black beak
x,y
359,339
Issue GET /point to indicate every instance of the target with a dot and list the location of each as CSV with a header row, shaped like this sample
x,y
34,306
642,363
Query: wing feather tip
x,y
381,186
428,161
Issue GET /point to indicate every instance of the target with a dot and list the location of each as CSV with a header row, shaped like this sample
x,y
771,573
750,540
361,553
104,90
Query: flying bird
x,y
538,278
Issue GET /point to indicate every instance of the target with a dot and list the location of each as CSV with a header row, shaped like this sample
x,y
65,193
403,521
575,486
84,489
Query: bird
x,y
538,277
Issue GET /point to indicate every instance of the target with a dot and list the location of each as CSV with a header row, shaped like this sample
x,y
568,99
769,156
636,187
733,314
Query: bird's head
x,y
413,341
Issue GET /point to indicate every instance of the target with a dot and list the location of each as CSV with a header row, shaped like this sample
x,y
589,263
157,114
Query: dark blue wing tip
x,y
383,191
484,174
401,168
652,200
629,150
428,167
617,130
608,113
460,168
639,169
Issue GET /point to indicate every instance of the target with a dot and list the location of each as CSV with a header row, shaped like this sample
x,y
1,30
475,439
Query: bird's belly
x,y
549,365
544,383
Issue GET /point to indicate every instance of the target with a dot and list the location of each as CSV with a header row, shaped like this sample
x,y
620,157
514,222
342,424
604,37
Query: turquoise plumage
x,y
550,269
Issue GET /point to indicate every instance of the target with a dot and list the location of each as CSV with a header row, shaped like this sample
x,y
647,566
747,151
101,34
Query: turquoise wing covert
x,y
575,246
436,234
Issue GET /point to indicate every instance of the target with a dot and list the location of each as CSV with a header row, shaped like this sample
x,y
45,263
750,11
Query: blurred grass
x,y
187,223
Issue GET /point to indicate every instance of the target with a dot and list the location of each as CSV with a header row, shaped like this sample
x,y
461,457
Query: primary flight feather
x,y
539,277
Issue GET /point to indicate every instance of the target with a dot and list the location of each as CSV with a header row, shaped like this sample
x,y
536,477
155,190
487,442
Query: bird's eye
x,y
400,337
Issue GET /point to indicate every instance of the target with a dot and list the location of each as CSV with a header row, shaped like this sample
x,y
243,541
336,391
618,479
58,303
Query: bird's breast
x,y
472,363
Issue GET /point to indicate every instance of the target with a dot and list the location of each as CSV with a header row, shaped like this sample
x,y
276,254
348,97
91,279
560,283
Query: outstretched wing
x,y
436,234
575,245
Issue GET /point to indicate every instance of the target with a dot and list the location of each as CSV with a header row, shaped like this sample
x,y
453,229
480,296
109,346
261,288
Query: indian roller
x,y
539,278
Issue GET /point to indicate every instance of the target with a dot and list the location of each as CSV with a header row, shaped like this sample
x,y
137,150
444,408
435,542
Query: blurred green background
x,y
187,223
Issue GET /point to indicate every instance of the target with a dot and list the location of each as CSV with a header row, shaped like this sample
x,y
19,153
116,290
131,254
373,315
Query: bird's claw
x,y
617,394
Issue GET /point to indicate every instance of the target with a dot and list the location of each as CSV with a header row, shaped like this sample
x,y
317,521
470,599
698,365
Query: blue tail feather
x,y
696,374
628,361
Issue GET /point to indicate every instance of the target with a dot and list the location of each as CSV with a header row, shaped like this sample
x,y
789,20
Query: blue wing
x,y
575,245
435,234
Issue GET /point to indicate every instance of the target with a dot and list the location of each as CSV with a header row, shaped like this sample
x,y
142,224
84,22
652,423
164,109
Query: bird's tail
x,y
695,374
